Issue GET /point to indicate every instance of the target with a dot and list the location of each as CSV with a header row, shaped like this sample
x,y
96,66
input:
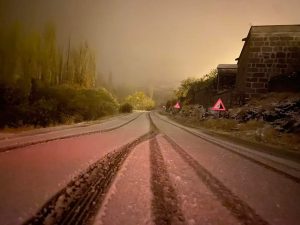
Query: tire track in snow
x,y
25,144
80,200
238,208
165,205
251,159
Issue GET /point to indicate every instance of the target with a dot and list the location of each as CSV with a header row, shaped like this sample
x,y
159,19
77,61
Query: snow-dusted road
x,y
30,175
145,170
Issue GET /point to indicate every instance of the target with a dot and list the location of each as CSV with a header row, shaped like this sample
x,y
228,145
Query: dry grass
x,y
16,130
252,131
219,124
251,125
269,135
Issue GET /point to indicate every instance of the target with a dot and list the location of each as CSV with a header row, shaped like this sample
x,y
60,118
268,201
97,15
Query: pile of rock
x,y
195,111
283,115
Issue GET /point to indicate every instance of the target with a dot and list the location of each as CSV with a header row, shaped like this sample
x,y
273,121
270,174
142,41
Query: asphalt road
x,y
142,169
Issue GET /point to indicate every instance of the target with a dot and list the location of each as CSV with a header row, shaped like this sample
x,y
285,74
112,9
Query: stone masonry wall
x,y
268,54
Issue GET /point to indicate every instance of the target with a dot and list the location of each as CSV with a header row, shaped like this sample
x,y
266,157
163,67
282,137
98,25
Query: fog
x,y
154,42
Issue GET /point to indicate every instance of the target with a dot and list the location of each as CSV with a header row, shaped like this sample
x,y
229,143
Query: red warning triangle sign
x,y
177,106
219,106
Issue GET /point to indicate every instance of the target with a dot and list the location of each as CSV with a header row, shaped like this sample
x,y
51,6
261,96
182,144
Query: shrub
x,y
126,108
140,101
43,113
93,104
52,105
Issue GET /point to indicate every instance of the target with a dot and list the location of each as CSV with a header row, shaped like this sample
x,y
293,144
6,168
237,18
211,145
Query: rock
x,y
192,111
270,116
283,115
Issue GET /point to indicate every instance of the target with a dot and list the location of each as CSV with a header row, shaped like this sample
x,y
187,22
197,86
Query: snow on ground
x,y
31,175
129,198
198,203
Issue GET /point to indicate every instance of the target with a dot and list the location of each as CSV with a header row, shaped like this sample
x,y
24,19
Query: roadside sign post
x,y
219,106
177,106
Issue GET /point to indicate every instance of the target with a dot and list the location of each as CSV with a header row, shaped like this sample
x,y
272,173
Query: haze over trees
x,y
43,84
32,55
140,101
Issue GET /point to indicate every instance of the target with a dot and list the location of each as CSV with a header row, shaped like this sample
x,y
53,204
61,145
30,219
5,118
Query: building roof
x,y
269,29
275,28
227,66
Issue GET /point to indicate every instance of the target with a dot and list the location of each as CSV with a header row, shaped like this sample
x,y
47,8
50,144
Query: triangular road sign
x,y
177,106
219,106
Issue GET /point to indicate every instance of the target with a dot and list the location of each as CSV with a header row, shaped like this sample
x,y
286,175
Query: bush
x,y
140,101
126,108
43,113
53,105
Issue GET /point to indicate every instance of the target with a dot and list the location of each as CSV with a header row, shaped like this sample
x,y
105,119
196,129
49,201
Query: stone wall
x,y
268,51
226,77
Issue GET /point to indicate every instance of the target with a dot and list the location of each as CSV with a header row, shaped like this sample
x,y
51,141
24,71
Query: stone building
x,y
226,76
268,51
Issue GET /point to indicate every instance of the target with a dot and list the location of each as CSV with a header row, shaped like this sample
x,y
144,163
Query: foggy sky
x,y
156,41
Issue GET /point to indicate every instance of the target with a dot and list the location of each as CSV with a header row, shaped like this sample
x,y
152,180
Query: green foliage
x,y
42,112
170,104
28,55
184,87
41,85
52,105
92,104
126,108
140,101
191,86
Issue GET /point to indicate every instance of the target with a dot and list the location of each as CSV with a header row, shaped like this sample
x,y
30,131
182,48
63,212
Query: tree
x,y
140,101
184,87
191,86
83,66
39,86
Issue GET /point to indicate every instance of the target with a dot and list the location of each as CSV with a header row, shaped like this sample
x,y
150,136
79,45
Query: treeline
x,y
42,84
31,55
194,90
